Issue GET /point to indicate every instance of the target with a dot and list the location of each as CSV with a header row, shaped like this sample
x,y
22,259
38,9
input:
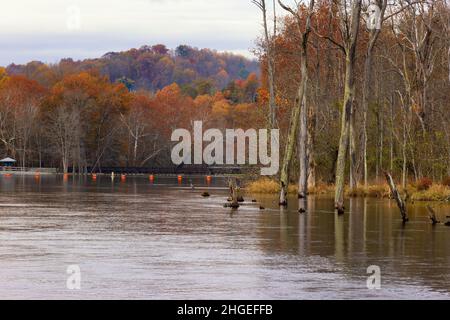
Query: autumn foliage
x,y
80,120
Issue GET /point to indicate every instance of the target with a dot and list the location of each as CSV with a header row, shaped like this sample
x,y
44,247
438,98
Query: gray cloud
x,y
39,30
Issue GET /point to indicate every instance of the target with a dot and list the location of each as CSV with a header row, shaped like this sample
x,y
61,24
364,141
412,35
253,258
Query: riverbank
x,y
8,171
435,192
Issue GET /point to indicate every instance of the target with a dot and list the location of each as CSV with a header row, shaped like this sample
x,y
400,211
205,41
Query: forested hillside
x,y
120,110
197,71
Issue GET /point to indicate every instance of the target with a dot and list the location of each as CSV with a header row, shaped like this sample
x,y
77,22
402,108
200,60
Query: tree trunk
x,y
234,194
290,146
310,149
374,34
432,215
343,146
303,154
352,152
261,4
295,118
349,91
395,194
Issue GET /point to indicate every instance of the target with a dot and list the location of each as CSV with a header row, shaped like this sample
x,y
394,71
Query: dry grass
x,y
263,186
270,186
434,193
322,189
373,191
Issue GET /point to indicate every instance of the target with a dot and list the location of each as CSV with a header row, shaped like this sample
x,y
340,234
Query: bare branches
x,y
337,44
410,4
297,16
288,9
261,4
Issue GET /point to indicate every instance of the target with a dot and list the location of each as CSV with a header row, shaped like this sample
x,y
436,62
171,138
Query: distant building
x,y
7,162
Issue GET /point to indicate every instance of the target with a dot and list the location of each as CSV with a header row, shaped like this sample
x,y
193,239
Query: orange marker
x,y
66,177
208,179
8,175
123,177
180,179
151,178
94,177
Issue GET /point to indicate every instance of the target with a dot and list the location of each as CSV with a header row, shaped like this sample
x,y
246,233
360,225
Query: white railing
x,y
22,169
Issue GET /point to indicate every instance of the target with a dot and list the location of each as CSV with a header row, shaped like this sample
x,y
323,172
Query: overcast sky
x,y
49,30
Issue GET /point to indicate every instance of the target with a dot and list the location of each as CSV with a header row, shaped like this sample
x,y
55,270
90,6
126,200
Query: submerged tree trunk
x,y
396,195
349,92
432,215
291,138
300,105
310,149
303,152
343,143
234,194
352,152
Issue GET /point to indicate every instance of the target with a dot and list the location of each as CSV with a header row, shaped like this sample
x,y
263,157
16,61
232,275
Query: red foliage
x,y
446,181
424,184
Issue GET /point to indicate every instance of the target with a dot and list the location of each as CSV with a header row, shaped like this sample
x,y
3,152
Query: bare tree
x,y
270,55
349,13
299,112
374,33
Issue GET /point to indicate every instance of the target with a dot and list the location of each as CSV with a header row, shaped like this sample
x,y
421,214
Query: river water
x,y
139,240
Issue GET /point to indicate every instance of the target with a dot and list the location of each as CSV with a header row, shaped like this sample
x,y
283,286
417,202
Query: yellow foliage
x,y
3,74
221,108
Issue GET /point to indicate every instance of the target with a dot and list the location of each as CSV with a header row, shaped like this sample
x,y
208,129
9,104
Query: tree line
x,y
196,71
85,121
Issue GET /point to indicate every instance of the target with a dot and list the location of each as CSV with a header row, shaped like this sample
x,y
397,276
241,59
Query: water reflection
x,y
157,239
370,233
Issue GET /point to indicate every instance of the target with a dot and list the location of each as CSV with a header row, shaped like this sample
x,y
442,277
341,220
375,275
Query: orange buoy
x,y
37,176
8,175
66,177
151,178
123,177
180,179
94,177
208,179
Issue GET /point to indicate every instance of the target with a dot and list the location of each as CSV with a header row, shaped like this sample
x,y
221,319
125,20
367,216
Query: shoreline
x,y
434,193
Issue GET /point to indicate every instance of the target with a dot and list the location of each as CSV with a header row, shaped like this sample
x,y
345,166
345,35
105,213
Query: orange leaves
x,y
3,75
203,107
18,92
140,103
84,90
172,109
203,101
221,109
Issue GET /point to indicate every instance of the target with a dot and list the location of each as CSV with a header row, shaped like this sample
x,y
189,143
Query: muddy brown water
x,y
138,240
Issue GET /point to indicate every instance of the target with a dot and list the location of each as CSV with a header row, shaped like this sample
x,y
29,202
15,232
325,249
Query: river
x,y
135,239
